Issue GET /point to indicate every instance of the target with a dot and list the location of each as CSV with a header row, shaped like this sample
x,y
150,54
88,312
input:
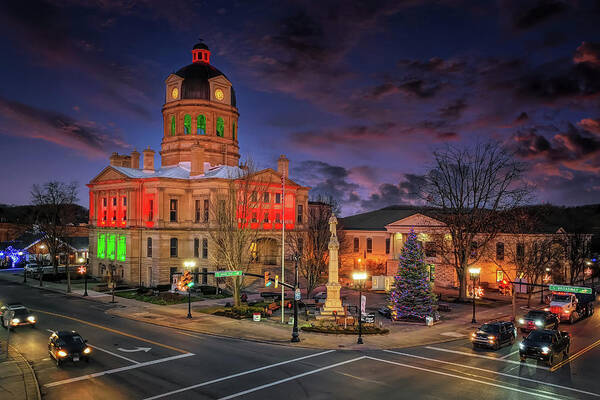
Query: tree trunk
x,y
514,303
68,270
529,293
236,292
462,290
55,263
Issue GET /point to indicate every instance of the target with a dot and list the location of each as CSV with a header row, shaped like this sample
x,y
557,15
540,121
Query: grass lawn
x,y
162,299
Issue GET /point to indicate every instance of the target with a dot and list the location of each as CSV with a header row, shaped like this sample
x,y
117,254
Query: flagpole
x,y
283,247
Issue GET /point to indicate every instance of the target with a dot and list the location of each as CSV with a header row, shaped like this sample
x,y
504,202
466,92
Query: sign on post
x,y
297,294
223,274
570,289
363,303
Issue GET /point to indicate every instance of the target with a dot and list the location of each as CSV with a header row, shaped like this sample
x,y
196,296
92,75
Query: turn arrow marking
x,y
144,349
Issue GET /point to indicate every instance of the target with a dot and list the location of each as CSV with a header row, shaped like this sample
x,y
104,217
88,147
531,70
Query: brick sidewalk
x,y
17,379
402,334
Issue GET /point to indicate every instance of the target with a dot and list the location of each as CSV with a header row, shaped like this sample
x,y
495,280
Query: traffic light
x,y
267,281
186,280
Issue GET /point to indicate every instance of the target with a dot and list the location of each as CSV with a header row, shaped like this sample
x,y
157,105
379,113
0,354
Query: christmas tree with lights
x,y
413,296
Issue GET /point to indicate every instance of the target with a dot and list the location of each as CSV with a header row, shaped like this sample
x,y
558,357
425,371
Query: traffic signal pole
x,y
189,289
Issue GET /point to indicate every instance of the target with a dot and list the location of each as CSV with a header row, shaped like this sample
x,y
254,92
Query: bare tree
x,y
54,209
236,220
312,245
469,187
577,249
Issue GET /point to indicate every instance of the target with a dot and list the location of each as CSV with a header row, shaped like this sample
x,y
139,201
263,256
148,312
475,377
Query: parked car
x,y
320,297
385,311
31,269
538,319
17,315
545,345
494,335
68,345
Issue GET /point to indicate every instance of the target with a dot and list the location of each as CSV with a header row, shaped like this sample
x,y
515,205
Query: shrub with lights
x,y
412,297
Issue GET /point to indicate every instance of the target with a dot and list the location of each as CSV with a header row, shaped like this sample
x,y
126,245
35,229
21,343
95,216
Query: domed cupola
x,y
200,107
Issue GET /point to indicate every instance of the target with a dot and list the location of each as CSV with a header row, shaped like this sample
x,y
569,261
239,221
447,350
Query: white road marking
x,y
521,378
114,371
144,349
509,354
453,334
236,375
114,354
291,378
529,392
485,357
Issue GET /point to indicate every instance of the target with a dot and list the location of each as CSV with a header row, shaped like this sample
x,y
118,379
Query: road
x,y
136,360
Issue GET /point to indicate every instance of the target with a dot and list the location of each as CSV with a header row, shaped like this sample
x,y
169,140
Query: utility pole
x,y
295,336
282,247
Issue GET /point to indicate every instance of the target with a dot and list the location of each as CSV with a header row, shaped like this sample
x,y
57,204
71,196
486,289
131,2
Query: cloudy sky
x,y
356,94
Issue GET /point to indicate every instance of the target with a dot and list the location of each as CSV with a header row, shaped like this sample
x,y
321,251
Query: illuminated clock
x,y
219,94
175,93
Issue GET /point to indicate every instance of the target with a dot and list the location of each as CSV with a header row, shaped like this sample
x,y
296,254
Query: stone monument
x,y
333,302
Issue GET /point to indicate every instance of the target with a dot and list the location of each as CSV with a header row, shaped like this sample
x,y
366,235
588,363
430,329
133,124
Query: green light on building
x,y
121,248
102,245
111,246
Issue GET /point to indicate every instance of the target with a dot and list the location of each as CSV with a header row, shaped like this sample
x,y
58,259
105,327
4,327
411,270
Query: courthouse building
x,y
147,220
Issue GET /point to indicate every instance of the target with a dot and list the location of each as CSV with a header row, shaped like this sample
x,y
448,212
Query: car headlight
x,y
491,337
545,350
31,318
87,350
521,321
15,320
539,323
473,334
62,353
521,346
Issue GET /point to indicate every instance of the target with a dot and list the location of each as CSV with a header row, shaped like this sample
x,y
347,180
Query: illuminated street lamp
x,y
359,280
189,264
474,275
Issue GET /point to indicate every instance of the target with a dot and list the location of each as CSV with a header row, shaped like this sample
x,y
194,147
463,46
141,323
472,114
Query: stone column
x,y
333,302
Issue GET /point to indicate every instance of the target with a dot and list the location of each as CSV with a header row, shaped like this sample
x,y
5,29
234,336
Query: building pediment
x,y
108,174
271,176
418,222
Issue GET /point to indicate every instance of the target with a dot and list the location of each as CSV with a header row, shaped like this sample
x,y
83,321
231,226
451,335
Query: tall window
x,y
198,211
369,245
197,248
266,197
187,124
429,249
300,213
204,276
266,217
254,217
149,247
278,218
277,198
520,252
201,125
172,125
204,248
233,130
121,248
173,247
173,210
500,251
111,245
206,210
220,127
387,246
102,245
150,210
356,245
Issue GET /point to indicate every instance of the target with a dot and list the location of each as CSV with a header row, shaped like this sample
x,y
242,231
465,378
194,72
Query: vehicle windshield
x,y
21,313
561,297
488,328
540,337
72,339
536,314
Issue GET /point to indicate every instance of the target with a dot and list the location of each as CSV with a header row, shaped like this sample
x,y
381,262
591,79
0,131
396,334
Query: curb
x,y
30,382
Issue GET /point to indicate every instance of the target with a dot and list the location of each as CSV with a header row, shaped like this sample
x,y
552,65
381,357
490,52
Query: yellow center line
x,y
112,330
574,356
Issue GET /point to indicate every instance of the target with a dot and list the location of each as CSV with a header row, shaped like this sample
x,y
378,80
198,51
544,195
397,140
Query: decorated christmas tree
x,y
413,296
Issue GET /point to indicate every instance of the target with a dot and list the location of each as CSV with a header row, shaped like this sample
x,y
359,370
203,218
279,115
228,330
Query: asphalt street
x,y
136,360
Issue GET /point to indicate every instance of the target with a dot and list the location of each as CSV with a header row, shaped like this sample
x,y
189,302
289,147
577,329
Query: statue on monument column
x,y
333,303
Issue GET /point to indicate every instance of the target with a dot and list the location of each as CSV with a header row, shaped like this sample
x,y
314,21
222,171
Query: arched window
x,y
220,127
201,125
173,125
187,124
233,130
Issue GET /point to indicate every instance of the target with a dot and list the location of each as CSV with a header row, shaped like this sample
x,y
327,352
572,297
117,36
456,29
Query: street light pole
x,y
360,278
295,337
189,264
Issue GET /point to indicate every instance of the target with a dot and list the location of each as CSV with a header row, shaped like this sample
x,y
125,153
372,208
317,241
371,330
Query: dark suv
x,y
494,335
538,319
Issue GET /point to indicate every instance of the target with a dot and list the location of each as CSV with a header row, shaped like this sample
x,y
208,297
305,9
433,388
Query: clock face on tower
x,y
175,93
219,94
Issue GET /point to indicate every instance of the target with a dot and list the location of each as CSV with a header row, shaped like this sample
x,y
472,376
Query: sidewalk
x,y
455,325
17,379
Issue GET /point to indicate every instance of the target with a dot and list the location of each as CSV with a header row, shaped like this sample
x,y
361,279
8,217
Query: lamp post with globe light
x,y
474,275
359,280
190,265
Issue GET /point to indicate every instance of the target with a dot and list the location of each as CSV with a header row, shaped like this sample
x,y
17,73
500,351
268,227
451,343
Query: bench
x,y
444,307
342,321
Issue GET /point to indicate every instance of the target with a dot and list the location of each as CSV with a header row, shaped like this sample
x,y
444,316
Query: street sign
x,y
223,274
297,294
570,289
